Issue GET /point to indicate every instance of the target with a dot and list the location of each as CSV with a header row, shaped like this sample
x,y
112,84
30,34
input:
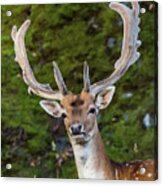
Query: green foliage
x,y
71,34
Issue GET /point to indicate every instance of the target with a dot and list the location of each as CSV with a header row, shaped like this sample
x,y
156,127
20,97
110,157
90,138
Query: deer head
x,y
79,111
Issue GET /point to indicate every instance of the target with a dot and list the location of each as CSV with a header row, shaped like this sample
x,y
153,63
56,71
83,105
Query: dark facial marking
x,y
77,102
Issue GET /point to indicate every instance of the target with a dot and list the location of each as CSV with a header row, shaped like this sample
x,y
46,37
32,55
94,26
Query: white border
x,y
57,182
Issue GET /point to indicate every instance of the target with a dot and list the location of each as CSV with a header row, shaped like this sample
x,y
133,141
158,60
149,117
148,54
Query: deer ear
x,y
52,107
104,98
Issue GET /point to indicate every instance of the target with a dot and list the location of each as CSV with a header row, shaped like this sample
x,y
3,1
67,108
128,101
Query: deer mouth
x,y
82,134
78,136
81,138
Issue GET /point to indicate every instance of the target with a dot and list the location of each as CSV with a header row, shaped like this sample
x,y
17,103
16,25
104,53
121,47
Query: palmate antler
x,y
42,90
130,45
128,56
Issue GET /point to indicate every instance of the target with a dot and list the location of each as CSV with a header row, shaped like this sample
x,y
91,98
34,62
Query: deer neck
x,y
91,159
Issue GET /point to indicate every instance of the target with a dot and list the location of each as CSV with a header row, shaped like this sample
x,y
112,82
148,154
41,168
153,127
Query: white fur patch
x,y
84,156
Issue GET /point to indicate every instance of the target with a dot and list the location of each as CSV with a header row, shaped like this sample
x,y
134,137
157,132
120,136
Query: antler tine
x,y
59,79
42,90
86,78
130,45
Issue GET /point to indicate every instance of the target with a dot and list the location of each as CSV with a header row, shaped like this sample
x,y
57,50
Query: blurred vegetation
x,y
35,144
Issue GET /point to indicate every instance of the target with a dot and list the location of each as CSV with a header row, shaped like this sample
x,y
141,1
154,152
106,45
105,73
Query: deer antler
x,y
42,90
86,78
130,45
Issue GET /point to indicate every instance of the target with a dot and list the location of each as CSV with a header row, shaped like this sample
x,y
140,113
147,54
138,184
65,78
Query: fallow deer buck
x,y
80,111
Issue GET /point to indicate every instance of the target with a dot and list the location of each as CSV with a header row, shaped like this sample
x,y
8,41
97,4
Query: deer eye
x,y
92,111
63,115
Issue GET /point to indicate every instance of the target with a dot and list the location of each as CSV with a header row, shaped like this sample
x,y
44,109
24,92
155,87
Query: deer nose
x,y
76,129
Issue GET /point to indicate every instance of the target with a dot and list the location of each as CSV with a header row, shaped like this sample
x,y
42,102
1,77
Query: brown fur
x,y
135,170
77,107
